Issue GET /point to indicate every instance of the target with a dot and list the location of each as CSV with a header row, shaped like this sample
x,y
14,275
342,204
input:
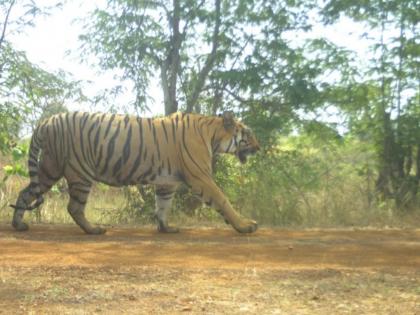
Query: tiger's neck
x,y
210,129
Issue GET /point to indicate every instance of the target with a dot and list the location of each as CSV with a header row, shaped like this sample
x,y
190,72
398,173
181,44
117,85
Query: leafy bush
x,y
18,166
307,182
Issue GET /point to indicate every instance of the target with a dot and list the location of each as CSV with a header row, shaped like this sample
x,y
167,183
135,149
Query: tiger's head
x,y
237,138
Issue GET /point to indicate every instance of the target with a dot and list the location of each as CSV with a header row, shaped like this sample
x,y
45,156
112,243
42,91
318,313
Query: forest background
x,y
339,129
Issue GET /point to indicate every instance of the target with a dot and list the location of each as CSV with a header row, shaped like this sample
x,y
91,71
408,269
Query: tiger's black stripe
x,y
110,149
164,130
136,163
81,163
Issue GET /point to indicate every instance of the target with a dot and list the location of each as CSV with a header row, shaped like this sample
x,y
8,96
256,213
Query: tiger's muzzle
x,y
245,150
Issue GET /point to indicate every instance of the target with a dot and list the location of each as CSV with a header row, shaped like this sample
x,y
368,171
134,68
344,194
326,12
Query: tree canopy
x,y
258,58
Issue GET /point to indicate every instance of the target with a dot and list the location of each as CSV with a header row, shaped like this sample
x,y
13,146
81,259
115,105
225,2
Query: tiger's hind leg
x,y
164,195
79,193
28,195
25,199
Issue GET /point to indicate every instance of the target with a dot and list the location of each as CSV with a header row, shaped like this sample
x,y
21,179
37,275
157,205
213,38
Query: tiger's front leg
x,y
164,195
212,195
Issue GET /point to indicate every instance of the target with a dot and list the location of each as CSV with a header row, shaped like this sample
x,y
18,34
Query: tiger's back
x,y
114,149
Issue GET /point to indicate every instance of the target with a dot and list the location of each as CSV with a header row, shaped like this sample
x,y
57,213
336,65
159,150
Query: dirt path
x,y
58,269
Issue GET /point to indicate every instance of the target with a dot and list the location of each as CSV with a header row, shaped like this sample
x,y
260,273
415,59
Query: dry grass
x,y
339,201
101,208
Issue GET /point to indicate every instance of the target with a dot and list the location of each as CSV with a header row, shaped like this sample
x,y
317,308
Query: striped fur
x,y
124,150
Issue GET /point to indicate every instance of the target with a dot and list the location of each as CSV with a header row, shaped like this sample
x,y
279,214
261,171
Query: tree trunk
x,y
170,67
386,144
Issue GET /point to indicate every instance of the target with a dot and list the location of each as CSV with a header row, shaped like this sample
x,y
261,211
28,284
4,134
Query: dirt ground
x,y
54,269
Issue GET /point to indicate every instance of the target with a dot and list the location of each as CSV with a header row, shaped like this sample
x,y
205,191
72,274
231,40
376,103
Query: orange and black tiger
x,y
126,150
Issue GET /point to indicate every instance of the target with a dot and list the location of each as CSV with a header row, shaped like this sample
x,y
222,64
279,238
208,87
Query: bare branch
x,y
157,4
240,52
236,97
6,20
191,102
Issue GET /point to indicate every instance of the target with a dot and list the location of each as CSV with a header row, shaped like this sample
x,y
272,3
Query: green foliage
x,y
205,52
31,89
9,126
306,181
243,55
18,165
380,107
26,90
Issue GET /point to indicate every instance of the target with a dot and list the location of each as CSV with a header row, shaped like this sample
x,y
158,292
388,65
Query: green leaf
x,y
9,170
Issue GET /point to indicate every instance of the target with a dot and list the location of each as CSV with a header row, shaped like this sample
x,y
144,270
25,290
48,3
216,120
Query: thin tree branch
x,y
6,20
221,88
158,4
189,19
191,102
236,97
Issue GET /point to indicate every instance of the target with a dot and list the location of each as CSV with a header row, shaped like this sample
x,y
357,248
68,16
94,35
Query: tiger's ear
x,y
228,120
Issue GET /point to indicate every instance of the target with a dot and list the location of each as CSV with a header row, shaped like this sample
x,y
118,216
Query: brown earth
x,y
59,270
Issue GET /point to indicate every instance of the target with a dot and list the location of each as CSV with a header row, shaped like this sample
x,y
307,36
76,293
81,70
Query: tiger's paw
x,y
96,231
246,226
167,229
20,226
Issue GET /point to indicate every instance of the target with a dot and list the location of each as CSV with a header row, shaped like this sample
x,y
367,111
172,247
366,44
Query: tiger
x,y
121,150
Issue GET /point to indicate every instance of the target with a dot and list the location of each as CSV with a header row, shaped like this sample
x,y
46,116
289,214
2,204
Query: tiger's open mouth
x,y
243,153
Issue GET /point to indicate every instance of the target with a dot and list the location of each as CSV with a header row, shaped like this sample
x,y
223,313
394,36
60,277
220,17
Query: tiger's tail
x,y
34,187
